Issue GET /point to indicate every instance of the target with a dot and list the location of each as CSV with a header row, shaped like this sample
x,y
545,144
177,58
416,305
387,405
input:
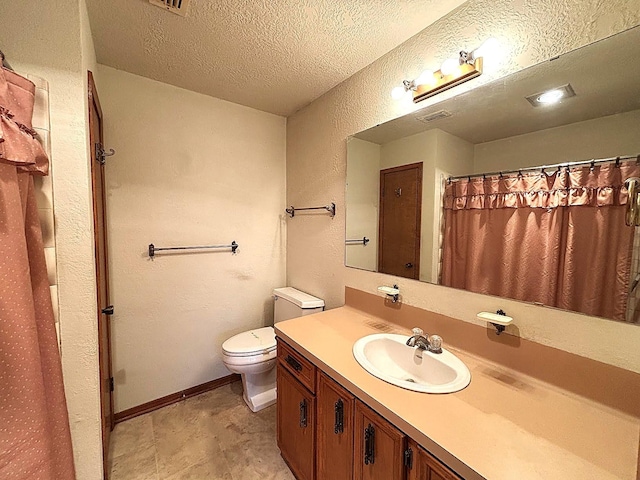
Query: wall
x,y
598,138
363,195
316,159
419,148
454,156
41,123
440,154
47,39
189,170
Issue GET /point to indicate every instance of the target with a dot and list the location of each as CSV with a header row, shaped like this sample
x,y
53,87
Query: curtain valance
x,y
600,185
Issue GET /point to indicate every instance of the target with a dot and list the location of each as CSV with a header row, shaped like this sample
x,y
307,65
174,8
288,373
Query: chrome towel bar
x,y
357,241
331,208
153,249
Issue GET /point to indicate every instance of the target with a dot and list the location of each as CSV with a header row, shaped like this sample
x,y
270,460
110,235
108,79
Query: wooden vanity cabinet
x,y
379,447
296,424
334,435
325,433
422,466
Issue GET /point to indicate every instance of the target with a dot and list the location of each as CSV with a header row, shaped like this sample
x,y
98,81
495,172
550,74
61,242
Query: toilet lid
x,y
253,342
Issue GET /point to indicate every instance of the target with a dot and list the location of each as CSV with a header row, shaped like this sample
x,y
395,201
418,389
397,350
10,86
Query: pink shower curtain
x,y
559,239
35,442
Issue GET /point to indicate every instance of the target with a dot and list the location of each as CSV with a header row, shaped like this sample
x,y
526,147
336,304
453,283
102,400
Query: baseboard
x,y
174,397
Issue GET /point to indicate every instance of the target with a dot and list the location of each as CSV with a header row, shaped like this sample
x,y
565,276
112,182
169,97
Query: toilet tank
x,y
292,303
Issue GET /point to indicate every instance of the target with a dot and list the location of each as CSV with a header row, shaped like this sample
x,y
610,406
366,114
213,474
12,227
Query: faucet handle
x,y
417,331
435,342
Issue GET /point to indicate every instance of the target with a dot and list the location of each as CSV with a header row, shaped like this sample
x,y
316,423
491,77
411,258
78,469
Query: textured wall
x,y
530,31
189,170
363,196
44,190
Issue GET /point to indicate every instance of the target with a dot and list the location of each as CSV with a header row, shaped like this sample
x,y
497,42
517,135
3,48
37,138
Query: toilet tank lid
x,y
301,299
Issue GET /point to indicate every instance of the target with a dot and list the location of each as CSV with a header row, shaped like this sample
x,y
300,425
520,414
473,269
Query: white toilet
x,y
252,354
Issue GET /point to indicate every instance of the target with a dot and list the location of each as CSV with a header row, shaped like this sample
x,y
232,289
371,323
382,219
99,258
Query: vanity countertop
x,y
505,425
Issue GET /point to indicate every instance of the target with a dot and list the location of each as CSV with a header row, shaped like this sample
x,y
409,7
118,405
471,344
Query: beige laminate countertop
x,y
503,426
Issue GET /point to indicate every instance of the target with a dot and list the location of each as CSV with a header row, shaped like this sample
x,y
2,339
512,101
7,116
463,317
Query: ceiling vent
x,y
434,116
178,7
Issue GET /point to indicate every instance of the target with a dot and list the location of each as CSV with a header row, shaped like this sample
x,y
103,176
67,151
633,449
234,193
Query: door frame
x,y
409,166
103,319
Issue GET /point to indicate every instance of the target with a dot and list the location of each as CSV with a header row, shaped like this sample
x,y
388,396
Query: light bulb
x,y
449,66
490,48
398,92
552,96
426,78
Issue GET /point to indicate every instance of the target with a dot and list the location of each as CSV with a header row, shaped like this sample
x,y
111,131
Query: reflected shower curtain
x,y
35,442
559,239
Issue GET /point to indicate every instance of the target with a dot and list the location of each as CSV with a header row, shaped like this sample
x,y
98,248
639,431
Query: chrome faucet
x,y
423,341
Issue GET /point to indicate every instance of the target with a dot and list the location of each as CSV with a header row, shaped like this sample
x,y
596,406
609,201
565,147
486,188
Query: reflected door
x,y
400,218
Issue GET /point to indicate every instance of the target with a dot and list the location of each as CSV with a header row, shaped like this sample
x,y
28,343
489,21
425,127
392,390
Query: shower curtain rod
x,y
542,168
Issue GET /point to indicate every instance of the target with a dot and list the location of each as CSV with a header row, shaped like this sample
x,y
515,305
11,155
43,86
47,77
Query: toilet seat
x,y
258,345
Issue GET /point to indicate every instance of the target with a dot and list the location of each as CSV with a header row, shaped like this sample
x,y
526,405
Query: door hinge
x,y
408,458
111,384
108,310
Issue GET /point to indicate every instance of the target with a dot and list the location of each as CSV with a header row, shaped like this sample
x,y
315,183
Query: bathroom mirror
x,y
455,193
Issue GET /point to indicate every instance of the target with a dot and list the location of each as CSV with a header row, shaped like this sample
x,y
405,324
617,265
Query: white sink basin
x,y
387,357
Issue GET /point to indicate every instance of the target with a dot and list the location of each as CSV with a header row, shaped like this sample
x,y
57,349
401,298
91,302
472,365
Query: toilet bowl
x,y
253,354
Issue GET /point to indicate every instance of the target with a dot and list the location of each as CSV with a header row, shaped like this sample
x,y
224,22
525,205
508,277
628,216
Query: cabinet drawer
x,y
301,368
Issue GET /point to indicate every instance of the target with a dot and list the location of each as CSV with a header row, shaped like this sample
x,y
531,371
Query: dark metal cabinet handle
x,y
339,418
369,445
303,413
408,265
108,310
408,458
294,363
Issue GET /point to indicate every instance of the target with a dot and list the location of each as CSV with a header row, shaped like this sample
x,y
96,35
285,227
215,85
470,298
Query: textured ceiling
x,y
273,55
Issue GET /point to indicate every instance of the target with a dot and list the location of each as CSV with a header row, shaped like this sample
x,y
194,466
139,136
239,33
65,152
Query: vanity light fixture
x,y
551,96
453,71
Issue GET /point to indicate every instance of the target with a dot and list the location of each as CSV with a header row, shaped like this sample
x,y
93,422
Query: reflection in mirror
x,y
515,189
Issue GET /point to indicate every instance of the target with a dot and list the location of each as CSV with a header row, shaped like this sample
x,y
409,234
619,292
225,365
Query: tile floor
x,y
211,436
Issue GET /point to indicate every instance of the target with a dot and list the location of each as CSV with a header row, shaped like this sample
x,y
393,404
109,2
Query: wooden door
x,y
336,408
296,408
105,309
379,447
400,220
423,466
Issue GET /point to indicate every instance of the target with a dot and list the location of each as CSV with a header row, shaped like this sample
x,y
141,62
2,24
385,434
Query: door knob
x,y
408,265
108,310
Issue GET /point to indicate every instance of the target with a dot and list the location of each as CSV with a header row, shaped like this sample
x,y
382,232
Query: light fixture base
x,y
465,72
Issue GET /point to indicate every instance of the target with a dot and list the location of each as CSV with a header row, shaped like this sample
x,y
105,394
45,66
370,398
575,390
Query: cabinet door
x,y
379,447
296,408
414,465
336,408
423,466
